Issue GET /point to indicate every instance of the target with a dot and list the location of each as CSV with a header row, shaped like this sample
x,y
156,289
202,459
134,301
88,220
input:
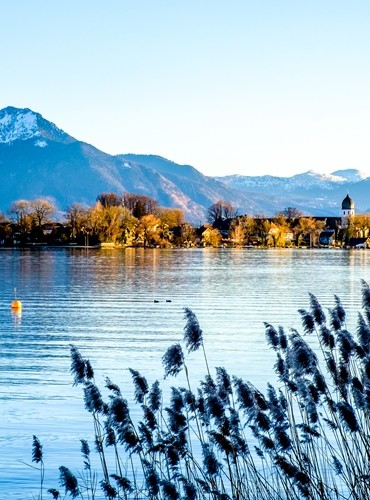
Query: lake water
x,y
102,301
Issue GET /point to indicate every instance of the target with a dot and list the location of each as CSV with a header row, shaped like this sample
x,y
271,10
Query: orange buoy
x,y
16,305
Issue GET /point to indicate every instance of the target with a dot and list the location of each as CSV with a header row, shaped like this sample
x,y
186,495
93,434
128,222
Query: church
x,y
336,229
348,210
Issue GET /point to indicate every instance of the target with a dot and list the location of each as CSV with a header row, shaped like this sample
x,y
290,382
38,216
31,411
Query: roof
x,y
348,203
354,242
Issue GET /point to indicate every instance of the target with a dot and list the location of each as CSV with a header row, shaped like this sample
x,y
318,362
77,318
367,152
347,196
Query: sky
x,y
250,87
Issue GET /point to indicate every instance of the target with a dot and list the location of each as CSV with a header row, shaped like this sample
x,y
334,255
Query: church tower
x,y
348,210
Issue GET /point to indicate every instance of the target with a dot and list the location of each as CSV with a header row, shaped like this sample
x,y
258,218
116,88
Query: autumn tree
x,y
211,237
310,228
187,235
279,230
237,235
241,229
171,217
147,231
263,227
109,222
359,225
248,224
129,223
303,228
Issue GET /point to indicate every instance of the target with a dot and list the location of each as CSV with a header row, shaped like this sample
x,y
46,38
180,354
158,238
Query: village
x,y
137,221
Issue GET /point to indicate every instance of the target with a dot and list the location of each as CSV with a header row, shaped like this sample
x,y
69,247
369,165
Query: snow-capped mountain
x,y
24,124
351,175
306,180
37,159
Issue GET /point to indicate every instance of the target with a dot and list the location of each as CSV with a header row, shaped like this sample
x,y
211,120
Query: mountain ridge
x,y
38,159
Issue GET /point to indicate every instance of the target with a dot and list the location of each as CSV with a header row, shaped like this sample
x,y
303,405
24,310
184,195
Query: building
x,y
348,210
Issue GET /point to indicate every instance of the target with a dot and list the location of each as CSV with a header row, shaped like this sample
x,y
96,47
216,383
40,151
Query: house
x,y
358,242
327,237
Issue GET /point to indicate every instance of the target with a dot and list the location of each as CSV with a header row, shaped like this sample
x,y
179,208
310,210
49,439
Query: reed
x,y
308,436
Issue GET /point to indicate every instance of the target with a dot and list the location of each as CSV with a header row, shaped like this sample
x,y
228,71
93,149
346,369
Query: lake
x,y
103,301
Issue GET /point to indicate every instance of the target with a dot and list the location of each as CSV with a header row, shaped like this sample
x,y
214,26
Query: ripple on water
x,y
104,304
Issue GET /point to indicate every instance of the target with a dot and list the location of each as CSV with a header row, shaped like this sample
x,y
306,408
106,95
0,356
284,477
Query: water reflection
x,y
17,317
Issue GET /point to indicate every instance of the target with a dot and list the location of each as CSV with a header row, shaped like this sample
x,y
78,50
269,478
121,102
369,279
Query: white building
x,y
348,210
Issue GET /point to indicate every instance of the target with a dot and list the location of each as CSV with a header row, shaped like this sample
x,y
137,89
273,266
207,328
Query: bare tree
x,y
139,204
19,211
291,213
220,211
77,219
109,199
41,211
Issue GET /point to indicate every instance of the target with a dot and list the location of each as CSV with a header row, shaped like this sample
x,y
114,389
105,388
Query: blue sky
x,y
249,87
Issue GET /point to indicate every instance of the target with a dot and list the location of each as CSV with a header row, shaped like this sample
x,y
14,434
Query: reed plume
x,y
193,335
173,360
307,437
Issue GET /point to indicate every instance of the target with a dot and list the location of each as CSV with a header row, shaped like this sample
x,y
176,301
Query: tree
x,y
109,222
5,228
41,211
171,217
303,228
19,213
109,199
318,228
211,237
187,236
77,218
279,230
292,213
359,225
139,204
263,227
220,211
248,224
237,235
309,227
147,230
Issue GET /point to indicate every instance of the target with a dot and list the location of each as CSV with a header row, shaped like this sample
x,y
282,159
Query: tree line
x,y
128,220
138,220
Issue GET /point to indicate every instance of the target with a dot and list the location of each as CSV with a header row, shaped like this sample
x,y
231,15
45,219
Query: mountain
x,y
37,159
312,192
200,189
24,124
